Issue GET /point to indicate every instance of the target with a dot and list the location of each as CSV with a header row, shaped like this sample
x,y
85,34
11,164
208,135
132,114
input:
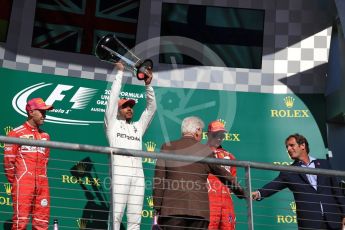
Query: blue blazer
x,y
308,208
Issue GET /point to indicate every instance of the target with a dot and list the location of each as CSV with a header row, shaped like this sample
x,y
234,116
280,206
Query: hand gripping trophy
x,y
111,49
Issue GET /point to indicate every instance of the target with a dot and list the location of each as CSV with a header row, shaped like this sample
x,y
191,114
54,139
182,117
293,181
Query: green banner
x,y
79,182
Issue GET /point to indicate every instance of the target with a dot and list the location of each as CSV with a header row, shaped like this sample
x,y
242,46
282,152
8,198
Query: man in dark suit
x,y
320,203
180,191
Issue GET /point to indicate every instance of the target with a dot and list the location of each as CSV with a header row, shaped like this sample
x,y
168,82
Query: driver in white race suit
x,y
128,185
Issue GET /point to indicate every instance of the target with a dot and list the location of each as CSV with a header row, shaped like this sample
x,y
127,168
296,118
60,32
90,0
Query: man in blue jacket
x,y
320,203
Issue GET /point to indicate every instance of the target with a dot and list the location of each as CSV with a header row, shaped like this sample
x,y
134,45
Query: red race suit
x,y
222,213
26,170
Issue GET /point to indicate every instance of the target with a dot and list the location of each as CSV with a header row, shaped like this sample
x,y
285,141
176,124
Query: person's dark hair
x,y
300,140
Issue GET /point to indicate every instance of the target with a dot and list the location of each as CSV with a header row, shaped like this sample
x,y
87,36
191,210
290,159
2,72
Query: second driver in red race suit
x,y
26,170
222,213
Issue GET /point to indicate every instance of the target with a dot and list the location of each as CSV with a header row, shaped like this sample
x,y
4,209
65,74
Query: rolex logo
x,y
150,201
82,223
222,121
288,112
150,146
81,167
7,129
293,206
288,219
8,188
289,101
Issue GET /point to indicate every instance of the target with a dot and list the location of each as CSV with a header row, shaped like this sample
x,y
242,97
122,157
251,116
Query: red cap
x,y
123,101
37,103
216,126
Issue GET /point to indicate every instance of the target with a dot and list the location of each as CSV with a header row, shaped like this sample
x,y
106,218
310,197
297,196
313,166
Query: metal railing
x,y
247,165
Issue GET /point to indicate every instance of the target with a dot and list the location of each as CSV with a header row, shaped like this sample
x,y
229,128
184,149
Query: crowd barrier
x,y
92,196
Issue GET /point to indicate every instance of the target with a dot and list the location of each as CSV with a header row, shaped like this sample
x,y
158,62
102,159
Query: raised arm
x,y
147,116
112,109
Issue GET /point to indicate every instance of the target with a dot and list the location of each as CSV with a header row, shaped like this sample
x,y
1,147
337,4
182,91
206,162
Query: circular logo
x,y
183,91
44,202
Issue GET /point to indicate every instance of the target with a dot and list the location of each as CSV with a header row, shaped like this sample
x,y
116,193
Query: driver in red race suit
x,y
26,170
222,213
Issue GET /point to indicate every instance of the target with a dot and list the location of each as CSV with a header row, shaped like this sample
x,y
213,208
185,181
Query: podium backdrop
x,y
79,182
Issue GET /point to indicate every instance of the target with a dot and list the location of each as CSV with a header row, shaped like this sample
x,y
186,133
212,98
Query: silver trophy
x,y
111,49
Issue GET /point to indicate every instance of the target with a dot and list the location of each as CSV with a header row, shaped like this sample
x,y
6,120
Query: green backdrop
x,y
258,125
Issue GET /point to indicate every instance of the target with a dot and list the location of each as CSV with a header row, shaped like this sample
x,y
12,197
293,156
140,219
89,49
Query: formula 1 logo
x,y
76,105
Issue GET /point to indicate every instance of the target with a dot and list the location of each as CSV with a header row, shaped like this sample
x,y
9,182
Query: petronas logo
x,y
150,146
150,201
81,223
289,101
8,188
293,206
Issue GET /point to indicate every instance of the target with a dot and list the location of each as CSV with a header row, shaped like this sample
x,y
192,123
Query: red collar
x,y
29,126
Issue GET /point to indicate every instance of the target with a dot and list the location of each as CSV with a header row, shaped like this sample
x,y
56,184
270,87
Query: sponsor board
x,y
70,102
255,133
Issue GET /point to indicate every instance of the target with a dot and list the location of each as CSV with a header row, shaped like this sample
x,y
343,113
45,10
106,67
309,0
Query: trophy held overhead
x,y
110,49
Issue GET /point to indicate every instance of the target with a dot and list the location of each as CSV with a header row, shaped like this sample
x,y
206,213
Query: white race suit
x,y
128,184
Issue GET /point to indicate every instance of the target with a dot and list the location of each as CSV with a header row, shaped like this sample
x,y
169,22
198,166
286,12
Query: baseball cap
x,y
216,126
123,101
37,103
